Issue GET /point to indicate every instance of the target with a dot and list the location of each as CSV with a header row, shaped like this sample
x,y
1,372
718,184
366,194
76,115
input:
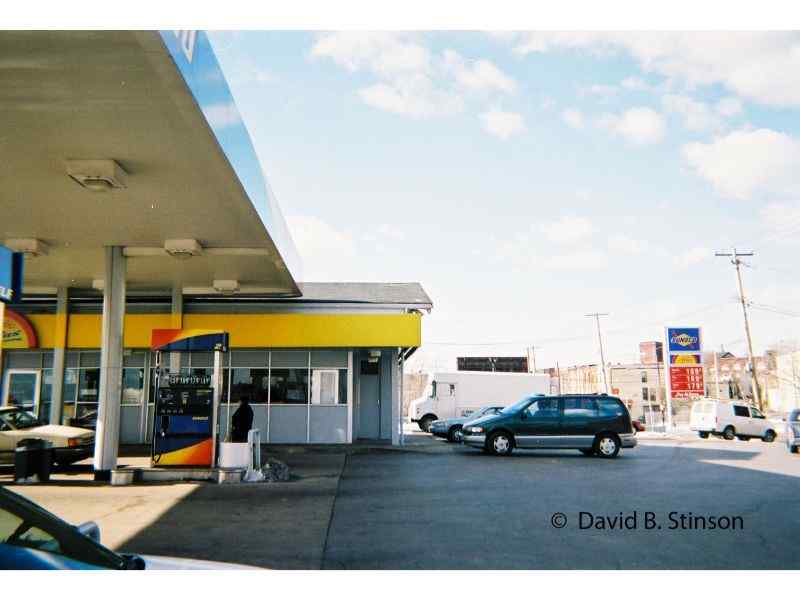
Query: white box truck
x,y
458,393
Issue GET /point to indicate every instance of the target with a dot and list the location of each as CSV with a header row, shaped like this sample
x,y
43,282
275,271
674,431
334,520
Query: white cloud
x,y
636,84
321,246
573,117
502,124
480,74
781,220
729,107
380,52
639,125
222,115
693,256
759,66
601,90
567,229
699,116
624,244
410,79
745,163
413,96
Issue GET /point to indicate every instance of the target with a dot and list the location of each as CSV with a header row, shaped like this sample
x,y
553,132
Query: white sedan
x,y
70,444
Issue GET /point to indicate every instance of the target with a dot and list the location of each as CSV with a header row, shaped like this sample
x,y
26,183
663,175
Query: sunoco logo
x,y
683,339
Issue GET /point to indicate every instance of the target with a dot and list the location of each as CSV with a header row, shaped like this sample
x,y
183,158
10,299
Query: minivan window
x,y
741,411
516,407
543,408
580,408
610,408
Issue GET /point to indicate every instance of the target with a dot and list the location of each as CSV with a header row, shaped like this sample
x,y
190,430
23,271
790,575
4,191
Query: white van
x,y
730,420
459,393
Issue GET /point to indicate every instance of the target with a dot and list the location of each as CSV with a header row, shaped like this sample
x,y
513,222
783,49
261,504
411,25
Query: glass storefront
x,y
297,396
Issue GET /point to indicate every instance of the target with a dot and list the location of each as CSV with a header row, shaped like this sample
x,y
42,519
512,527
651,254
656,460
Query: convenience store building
x,y
132,187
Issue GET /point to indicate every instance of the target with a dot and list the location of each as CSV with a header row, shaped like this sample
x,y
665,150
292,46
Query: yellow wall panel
x,y
292,330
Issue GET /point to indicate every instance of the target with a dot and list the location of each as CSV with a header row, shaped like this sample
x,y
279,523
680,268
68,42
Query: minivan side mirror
x,y
91,530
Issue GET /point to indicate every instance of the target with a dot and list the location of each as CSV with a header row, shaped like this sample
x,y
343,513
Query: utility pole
x,y
600,341
532,355
734,255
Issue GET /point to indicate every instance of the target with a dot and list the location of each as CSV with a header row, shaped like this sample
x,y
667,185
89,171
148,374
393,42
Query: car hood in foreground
x,y
52,432
171,563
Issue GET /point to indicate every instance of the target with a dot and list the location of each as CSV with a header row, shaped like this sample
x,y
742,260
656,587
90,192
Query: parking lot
x,y
438,506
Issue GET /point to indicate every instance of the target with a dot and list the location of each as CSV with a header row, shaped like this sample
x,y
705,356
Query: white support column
x,y
396,399
59,355
176,323
107,435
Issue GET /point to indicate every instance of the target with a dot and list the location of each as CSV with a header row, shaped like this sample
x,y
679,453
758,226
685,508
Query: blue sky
x,y
526,179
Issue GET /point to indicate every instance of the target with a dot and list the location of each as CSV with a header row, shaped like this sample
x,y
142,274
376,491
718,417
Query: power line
x,y
596,317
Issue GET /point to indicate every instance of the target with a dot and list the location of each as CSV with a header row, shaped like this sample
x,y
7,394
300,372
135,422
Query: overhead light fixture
x,y
183,249
226,287
30,247
97,175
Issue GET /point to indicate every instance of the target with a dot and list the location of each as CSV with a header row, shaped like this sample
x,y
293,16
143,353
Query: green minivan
x,y
595,424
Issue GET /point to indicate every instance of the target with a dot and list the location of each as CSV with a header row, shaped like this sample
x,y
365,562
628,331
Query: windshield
x,y
19,419
516,407
26,525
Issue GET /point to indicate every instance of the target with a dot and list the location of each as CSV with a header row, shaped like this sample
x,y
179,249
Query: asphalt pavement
x,y
441,506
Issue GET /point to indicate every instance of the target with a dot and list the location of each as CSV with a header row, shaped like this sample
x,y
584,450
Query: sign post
x,y
684,365
10,287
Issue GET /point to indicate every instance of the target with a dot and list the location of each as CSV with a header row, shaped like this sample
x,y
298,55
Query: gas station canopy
x,y
132,139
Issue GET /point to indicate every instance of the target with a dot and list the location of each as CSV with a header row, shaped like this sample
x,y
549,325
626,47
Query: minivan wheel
x,y
769,436
729,433
704,435
501,444
607,445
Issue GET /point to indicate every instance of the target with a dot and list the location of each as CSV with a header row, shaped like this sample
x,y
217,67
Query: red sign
x,y
686,382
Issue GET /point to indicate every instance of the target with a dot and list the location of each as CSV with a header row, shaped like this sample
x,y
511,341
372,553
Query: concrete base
x,y
214,475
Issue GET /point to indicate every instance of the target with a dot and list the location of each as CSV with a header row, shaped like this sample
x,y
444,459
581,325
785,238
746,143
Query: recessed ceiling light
x,y
97,175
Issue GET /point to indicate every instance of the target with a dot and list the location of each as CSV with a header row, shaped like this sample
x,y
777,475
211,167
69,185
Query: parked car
x,y
32,538
730,420
450,429
637,426
793,430
594,424
70,444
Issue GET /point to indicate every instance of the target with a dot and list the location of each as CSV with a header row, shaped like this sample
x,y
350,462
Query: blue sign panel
x,y
192,53
10,275
684,339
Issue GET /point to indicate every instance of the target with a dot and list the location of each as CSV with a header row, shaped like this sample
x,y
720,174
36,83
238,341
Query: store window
x,y
328,386
289,386
132,386
252,384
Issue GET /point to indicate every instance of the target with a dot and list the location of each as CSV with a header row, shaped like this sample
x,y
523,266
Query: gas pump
x,y
186,405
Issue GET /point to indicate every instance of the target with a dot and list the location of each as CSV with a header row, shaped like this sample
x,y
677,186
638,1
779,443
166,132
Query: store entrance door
x,y
369,401
21,388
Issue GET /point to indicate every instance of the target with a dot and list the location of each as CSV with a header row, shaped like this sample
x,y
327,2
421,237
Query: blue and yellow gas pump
x,y
186,405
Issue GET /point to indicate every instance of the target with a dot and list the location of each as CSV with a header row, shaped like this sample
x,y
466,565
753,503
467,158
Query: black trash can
x,y
33,457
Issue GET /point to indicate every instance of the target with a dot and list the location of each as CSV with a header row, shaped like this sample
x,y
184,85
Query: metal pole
x,y
402,400
716,376
558,371
600,341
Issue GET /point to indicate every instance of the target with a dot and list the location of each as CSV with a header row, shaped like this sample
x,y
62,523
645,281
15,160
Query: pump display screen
x,y
185,401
